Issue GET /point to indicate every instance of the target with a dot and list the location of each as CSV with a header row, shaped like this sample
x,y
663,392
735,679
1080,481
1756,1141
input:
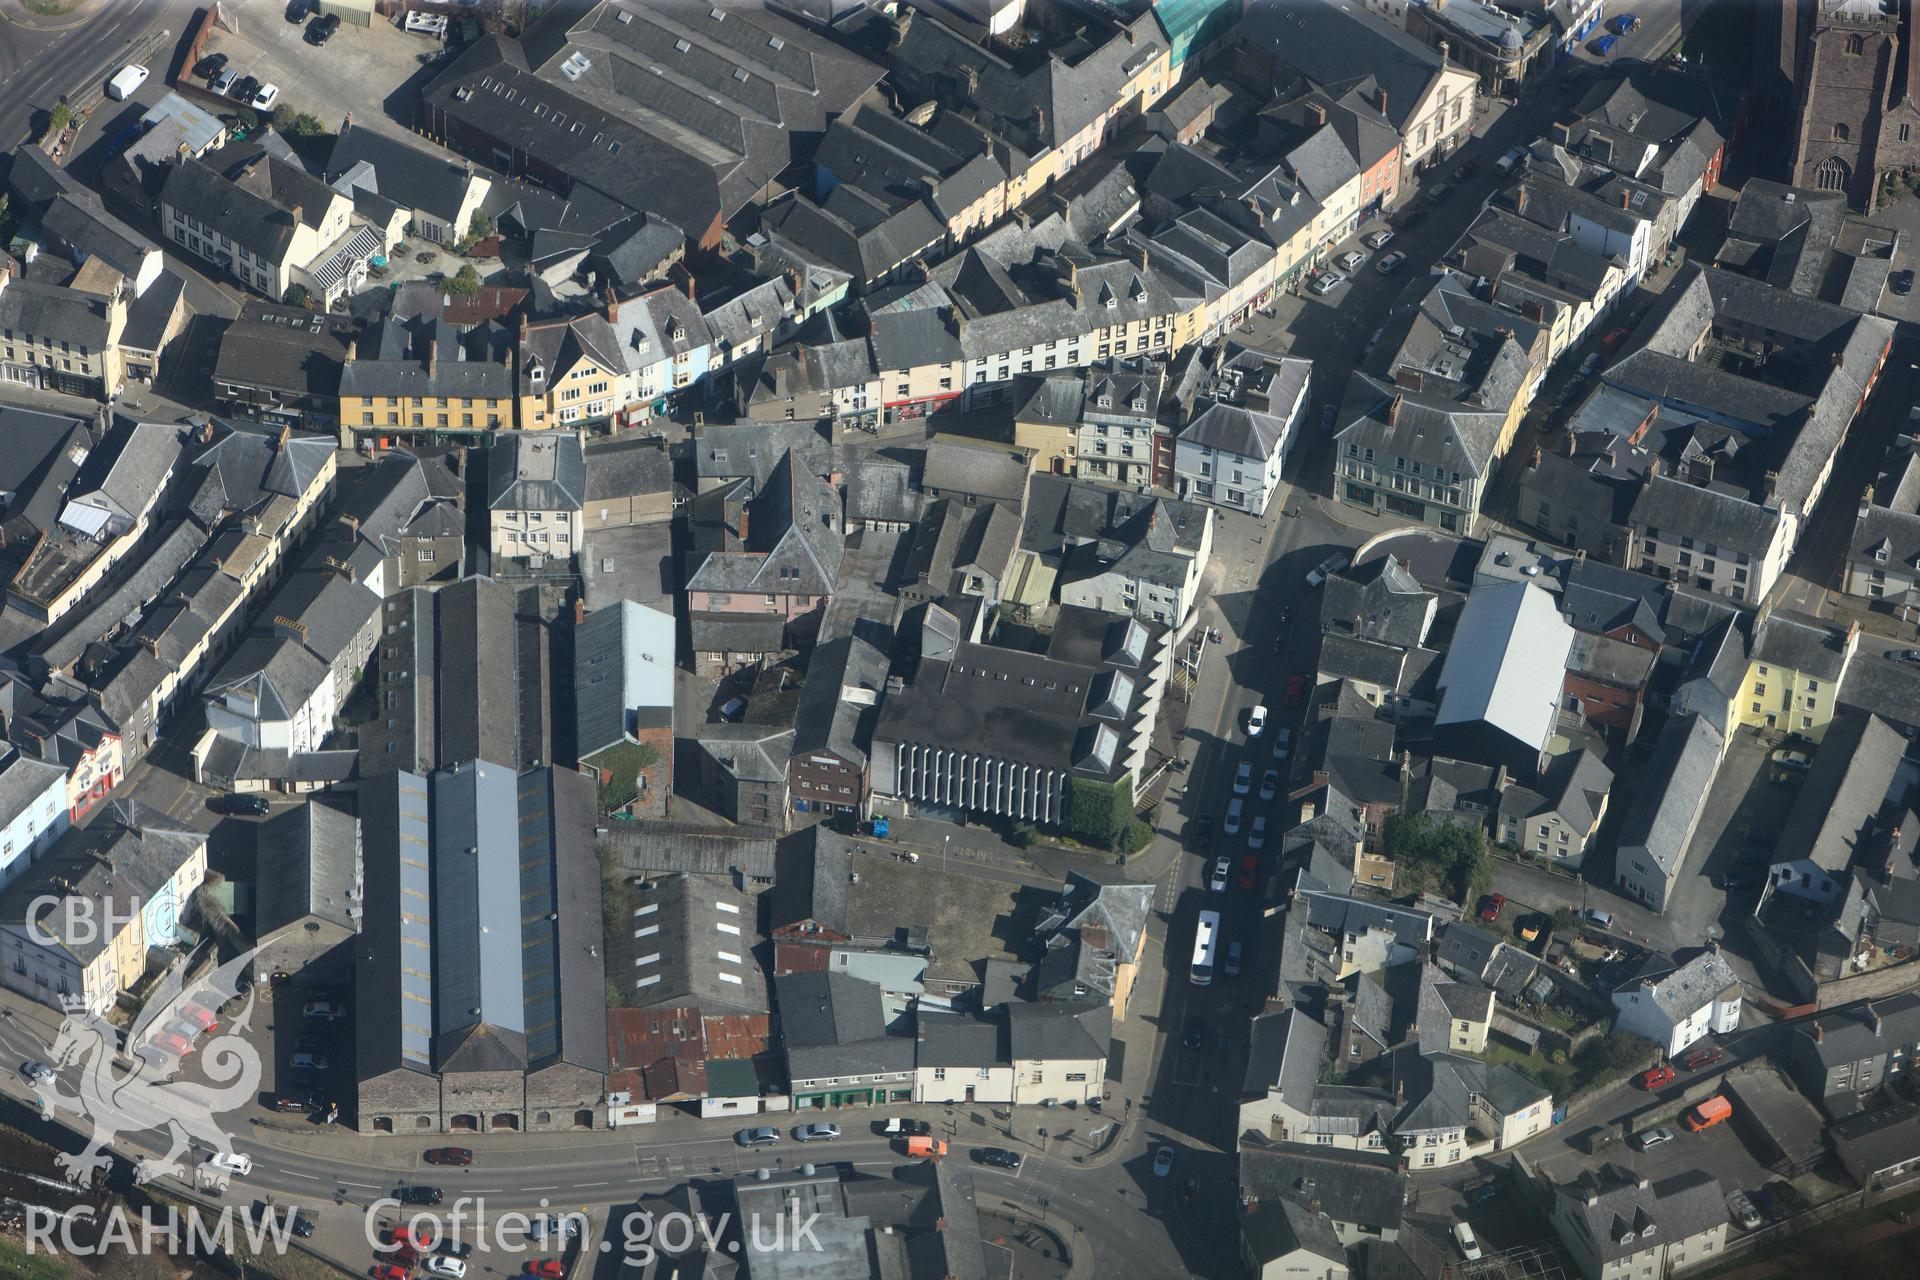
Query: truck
x,y
126,80
1707,1114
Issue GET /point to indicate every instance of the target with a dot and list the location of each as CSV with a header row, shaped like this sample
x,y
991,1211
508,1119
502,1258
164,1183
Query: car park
x,y
1257,835
1243,778
1325,283
1163,1162
1648,1139
459,1157
1269,784
1390,263
763,1136
1222,870
998,1157
816,1132
1655,1077
1351,260
1377,240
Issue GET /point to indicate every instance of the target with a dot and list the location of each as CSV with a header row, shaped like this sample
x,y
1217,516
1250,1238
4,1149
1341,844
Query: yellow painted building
x,y
1794,671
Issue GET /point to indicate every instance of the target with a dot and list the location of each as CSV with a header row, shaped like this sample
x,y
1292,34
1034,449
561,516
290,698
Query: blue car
x,y
1624,23
1604,45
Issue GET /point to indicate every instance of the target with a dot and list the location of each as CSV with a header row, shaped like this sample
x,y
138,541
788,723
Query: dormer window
x,y
1880,553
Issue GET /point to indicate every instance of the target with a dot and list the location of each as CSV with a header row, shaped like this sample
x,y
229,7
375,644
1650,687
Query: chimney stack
x,y
1873,1019
1626,198
613,306
1380,100
1819,1033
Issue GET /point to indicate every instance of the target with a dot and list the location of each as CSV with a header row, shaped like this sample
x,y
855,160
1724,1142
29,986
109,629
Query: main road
x,y
40,63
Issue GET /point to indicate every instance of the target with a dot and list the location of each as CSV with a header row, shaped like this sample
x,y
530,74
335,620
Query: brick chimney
x,y
1626,198
1393,410
1819,1033
1520,199
613,306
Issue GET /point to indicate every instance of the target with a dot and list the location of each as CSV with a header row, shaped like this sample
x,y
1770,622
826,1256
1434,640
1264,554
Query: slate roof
x,y
1058,1031
1619,1208
536,471
1231,428
1662,818
288,349
846,677
1087,935
701,950
1283,1229
812,869
1845,789
1379,601
252,201
835,1025
54,313
310,867
118,863
412,177
1681,992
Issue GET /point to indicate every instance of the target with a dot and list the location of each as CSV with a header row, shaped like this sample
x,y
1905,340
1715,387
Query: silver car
x,y
764,1136
1648,1139
816,1133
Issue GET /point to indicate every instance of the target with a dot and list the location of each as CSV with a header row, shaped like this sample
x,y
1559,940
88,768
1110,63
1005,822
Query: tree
x,y
1438,854
1098,812
1618,1051
297,124
464,283
297,296
60,118
479,227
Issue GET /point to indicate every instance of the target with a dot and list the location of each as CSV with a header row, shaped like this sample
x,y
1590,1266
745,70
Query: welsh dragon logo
x,y
120,1101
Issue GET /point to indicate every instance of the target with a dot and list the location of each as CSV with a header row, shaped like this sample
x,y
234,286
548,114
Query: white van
x,y
125,81
231,1162
1469,1247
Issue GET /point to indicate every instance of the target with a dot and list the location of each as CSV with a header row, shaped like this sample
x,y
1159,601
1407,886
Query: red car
x,y
449,1155
199,1017
1296,690
1654,1077
545,1268
1613,340
1249,871
1702,1058
390,1272
173,1042
1490,906
408,1237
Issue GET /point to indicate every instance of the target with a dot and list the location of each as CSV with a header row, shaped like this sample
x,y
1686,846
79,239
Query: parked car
x,y
32,1069
389,1271
1257,834
1234,952
446,1267
222,82
1655,1077
1469,1247
1507,163
1332,564
235,1162
1741,1210
1256,720
243,89
764,1136
245,806
210,66
1377,240
202,1019
1622,23
1351,260
1326,282
1390,263
1249,871
310,1062
1903,282
1440,192
1200,834
1490,906
125,81
1465,170
1611,343
1483,1192
1328,416
1595,916
297,11
291,1101
268,95
1163,1162
1590,365
1269,784
172,1041
1282,743
545,1269
1648,1139
324,1011
1297,687
321,29
1222,872
1700,1059
816,1132
1529,927
459,1157
1243,778
1604,45
1236,808
1909,655
1194,1034
419,1239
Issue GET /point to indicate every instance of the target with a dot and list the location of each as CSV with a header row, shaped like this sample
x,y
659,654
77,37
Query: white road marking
x,y
295,1173
579,1185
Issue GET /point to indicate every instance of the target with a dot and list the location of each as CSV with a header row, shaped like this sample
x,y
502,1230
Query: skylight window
x,y
681,46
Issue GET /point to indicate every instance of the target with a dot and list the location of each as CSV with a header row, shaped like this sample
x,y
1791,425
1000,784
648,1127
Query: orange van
x,y
1707,1114
926,1148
